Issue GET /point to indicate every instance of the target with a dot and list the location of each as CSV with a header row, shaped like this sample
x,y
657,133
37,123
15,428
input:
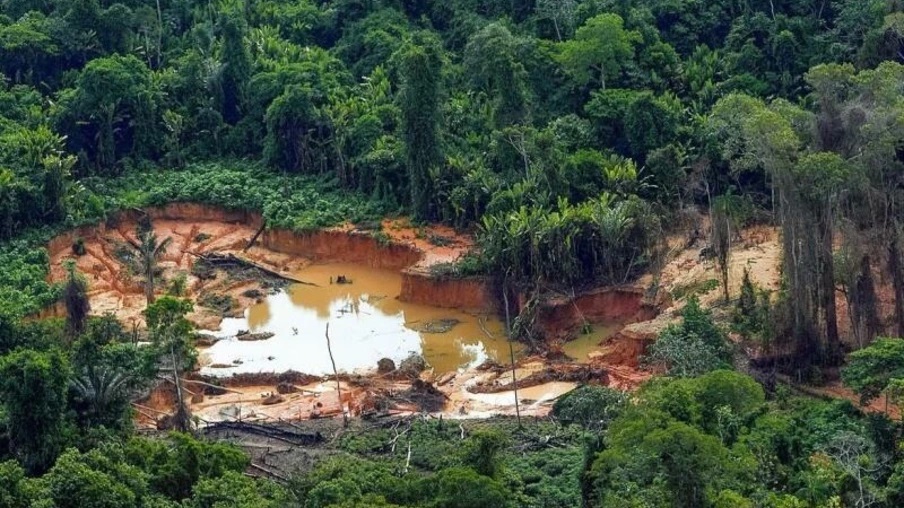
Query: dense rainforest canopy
x,y
571,135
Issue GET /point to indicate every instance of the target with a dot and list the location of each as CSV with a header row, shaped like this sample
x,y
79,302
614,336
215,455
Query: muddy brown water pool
x,y
366,323
581,346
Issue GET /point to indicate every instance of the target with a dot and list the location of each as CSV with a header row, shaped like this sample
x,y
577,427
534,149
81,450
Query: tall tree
x,y
110,113
600,46
75,296
421,69
170,333
494,66
149,250
806,187
297,132
236,68
561,13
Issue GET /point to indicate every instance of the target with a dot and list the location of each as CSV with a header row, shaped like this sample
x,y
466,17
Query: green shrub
x,y
695,346
591,407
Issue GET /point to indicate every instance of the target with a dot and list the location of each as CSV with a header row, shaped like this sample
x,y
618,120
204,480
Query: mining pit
x,y
405,337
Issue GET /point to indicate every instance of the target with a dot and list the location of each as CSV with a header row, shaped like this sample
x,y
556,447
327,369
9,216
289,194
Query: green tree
x,y
421,68
808,188
481,452
463,488
651,122
234,490
33,392
170,333
601,45
561,13
149,250
491,59
692,348
179,463
591,407
871,369
297,132
236,71
111,111
651,461
99,478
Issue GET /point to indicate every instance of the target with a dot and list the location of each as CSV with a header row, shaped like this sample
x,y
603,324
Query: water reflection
x,y
367,323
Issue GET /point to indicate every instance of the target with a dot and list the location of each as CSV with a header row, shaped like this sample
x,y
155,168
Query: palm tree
x,y
102,389
149,251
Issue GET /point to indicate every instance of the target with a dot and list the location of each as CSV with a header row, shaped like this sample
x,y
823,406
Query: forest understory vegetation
x,y
574,138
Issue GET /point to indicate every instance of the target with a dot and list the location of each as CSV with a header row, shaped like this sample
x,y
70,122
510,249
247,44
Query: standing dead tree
x,y
724,217
329,350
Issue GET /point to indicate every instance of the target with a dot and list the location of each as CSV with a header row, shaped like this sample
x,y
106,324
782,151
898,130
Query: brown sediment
x,y
263,378
624,348
228,232
562,316
340,246
569,372
472,293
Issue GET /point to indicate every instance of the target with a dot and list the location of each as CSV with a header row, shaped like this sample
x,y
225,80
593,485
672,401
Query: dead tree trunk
x,y
254,238
897,278
829,308
508,336
329,349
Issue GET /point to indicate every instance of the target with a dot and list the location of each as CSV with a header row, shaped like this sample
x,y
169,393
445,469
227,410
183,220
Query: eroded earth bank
x,y
407,336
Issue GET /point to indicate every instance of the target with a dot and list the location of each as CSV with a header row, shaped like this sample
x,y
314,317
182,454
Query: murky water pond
x,y
582,345
366,323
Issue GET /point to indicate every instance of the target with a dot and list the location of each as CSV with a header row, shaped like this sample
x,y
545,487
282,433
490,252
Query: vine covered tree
x,y
75,296
421,68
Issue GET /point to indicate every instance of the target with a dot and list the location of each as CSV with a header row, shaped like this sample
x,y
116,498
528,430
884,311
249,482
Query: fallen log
x,y
253,337
202,383
254,238
269,472
225,260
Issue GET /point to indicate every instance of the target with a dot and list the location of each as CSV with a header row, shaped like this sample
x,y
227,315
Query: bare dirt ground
x,y
116,287
438,243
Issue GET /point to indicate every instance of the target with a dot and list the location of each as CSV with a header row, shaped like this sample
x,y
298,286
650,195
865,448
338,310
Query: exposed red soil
x,y
197,229
112,288
561,317
467,294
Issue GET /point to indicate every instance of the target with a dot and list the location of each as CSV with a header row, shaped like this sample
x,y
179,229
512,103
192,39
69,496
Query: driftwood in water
x,y
252,337
228,260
